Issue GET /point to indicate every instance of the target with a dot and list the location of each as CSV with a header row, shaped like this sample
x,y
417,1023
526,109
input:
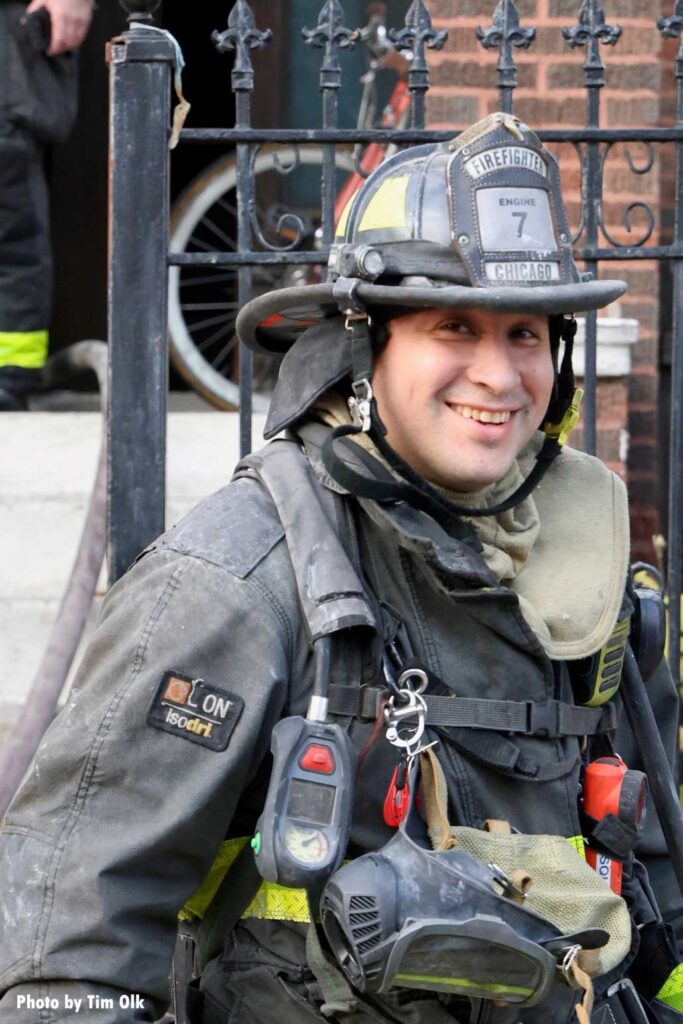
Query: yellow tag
x,y
561,431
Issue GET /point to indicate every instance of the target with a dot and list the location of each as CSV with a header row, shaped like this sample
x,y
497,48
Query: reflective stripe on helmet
x,y
387,207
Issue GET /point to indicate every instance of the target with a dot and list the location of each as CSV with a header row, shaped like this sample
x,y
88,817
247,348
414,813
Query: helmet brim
x,y
271,323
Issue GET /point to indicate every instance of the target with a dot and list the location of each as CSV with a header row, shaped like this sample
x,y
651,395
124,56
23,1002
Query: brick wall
x,y
550,94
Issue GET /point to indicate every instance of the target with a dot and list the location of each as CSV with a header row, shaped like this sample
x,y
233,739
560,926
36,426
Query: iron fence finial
x,y
331,33
590,31
140,11
417,33
241,35
673,26
503,33
670,28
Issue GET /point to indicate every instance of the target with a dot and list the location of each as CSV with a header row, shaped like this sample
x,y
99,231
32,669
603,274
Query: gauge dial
x,y
307,845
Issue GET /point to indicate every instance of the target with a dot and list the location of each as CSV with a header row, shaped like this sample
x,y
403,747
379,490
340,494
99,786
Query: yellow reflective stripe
x,y
201,897
23,348
275,902
496,989
671,991
271,903
578,844
386,209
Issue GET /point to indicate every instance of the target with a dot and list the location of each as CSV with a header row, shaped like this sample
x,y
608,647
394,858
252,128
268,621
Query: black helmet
x,y
475,222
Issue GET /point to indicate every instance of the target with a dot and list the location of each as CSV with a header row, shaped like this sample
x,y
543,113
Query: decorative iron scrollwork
x,y
331,33
582,206
636,205
241,35
297,229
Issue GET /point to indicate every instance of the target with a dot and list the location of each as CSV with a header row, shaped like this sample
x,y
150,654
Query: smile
x,y
482,415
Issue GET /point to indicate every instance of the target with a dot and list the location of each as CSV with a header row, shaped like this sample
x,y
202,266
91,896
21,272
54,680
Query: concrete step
x,y
47,468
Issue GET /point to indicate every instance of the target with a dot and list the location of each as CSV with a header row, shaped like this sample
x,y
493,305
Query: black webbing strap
x,y
383,487
503,755
550,449
548,720
240,884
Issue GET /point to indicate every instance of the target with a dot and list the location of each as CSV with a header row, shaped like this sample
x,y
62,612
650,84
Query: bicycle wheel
x,y
203,301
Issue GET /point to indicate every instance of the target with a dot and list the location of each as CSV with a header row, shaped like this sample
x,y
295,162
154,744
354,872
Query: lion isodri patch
x,y
195,711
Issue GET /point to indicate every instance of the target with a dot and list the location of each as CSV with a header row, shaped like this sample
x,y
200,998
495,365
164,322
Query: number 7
x,y
522,217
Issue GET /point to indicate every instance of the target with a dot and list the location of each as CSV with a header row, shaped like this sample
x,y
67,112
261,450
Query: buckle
x,y
542,719
360,406
370,699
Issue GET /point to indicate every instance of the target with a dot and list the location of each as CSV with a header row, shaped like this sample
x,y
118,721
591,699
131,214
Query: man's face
x,y
461,392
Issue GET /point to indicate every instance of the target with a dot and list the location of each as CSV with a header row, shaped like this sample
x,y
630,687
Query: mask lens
x,y
449,963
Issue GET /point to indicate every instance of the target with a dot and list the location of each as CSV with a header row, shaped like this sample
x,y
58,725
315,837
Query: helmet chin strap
x,y
562,416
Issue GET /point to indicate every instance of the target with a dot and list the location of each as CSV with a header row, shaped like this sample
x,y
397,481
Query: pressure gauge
x,y
308,845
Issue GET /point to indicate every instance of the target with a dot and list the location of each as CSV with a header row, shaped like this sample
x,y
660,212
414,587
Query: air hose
x,y
67,629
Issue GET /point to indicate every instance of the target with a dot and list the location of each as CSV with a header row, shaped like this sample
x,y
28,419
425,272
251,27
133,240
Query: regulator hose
x,y
68,626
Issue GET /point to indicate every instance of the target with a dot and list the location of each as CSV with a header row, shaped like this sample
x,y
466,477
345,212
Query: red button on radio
x,y
317,758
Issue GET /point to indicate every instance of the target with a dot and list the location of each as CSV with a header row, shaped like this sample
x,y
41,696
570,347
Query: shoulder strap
x,y
240,884
330,590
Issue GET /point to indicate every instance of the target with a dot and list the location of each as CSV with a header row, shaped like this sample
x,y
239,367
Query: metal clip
x,y
360,406
509,887
406,723
567,966
405,680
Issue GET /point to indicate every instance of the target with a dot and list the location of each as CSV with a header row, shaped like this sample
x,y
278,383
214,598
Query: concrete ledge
x,y
47,468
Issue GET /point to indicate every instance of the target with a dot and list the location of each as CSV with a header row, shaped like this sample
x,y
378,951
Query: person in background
x,y
38,105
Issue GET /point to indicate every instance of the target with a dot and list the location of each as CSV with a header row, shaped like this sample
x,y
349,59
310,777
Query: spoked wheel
x,y
203,300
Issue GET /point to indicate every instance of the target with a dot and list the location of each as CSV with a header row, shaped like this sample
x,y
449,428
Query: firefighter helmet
x,y
476,222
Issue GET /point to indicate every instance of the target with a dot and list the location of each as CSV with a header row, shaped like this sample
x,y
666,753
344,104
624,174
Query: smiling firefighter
x,y
416,599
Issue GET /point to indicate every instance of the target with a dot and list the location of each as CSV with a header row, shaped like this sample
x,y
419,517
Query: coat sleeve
x,y
118,820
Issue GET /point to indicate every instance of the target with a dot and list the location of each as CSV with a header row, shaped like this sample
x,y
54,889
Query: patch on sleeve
x,y
195,711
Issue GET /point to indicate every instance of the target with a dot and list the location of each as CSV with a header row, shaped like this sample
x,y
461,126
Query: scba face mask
x,y
410,917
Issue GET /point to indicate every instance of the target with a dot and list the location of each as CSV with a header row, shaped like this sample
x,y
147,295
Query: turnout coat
x,y
130,796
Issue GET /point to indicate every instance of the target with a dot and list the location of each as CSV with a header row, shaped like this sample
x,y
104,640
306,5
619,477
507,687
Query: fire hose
x,y
51,675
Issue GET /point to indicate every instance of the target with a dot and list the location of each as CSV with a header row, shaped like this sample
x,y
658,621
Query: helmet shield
x,y
507,219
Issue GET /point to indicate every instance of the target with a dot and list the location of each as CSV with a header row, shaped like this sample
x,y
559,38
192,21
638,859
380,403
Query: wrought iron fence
x,y
142,61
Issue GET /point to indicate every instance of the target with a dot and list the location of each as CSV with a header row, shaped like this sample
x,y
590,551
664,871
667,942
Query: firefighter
x,y
416,515
38,102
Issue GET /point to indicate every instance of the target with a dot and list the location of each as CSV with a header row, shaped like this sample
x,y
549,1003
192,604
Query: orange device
x,y
610,787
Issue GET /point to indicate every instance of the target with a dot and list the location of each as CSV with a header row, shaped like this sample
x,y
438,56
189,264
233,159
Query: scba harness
x,y
484,730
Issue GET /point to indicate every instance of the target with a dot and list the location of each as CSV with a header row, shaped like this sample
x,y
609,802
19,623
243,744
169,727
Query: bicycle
x,y
203,301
